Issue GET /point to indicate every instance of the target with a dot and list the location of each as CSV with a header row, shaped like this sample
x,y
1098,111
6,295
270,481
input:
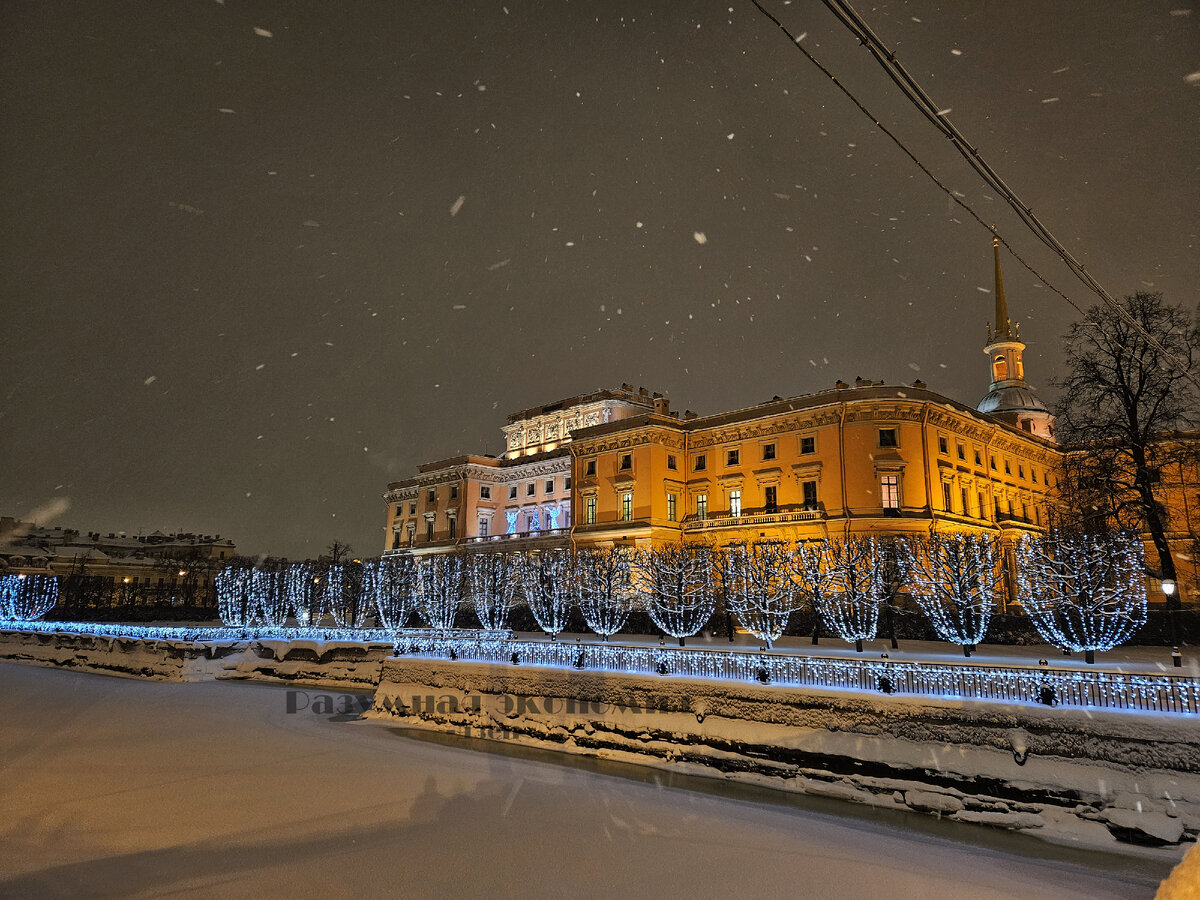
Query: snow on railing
x,y
1078,688
225,633
999,683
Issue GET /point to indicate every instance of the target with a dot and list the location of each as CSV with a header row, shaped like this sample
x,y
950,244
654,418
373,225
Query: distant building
x,y
116,568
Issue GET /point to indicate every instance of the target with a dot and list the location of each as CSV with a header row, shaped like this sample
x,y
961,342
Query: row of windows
x,y
770,503
485,493
961,452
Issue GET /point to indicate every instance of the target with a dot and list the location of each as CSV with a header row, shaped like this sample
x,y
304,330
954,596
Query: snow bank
x,y
1097,778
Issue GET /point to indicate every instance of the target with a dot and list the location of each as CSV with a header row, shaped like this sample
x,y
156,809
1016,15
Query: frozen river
x,y
129,788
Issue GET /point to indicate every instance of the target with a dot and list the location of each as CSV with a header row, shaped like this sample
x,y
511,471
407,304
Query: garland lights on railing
x,y
1080,688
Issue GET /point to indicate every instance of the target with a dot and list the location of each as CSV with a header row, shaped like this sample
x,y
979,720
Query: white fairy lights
x,y
760,589
546,582
678,584
604,585
27,597
953,578
492,582
1084,592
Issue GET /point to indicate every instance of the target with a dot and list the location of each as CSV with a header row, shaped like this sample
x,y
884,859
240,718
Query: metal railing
x,y
803,515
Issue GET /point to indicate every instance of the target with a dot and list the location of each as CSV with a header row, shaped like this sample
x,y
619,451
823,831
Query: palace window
x,y
889,491
453,526
670,461
433,495
1020,471
1000,369
591,468
808,444
966,506
412,508
483,527
626,461
735,503
1007,468
549,485
887,437
982,506
733,457
809,489
627,507
671,500
768,451
943,446
531,489
702,506
454,492
485,492
946,505
978,459
429,529
567,483
962,452
589,511
769,498
399,511
701,463
512,492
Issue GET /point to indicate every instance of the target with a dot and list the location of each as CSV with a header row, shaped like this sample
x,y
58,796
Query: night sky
x,y
260,259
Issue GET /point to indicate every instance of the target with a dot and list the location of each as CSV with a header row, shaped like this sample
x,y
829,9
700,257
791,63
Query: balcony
x,y
519,535
758,519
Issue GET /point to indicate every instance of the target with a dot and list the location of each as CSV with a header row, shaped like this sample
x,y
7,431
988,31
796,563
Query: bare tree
x,y
546,581
1120,398
604,581
27,597
338,552
1083,591
347,595
302,586
954,579
761,591
678,580
492,583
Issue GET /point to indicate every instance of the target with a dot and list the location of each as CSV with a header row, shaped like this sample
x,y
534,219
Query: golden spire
x,y
1003,325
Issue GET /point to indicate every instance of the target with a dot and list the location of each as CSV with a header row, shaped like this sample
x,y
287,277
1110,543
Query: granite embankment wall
x,y
339,664
1074,775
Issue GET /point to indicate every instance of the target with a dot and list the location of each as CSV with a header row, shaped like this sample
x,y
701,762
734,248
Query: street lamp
x,y
1168,587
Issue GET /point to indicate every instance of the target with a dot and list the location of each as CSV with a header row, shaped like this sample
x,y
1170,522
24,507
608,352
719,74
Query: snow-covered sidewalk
x,y
118,787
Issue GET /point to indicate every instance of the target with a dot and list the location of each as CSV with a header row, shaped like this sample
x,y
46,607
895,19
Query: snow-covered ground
x,y
120,787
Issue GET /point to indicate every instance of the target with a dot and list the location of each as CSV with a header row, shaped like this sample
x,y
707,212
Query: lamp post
x,y
1168,589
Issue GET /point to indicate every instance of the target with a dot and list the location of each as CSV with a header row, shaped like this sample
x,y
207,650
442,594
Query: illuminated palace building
x,y
620,468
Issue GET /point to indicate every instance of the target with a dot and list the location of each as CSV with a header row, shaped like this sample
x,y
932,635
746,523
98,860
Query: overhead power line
x,y
919,98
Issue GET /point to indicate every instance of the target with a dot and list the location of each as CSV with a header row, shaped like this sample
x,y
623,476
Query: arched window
x,y
1000,368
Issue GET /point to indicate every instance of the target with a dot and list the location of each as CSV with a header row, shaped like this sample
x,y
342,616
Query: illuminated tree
x,y
760,589
954,579
268,594
442,580
347,594
233,595
844,579
604,580
397,589
302,587
1083,591
546,583
678,581
492,583
25,597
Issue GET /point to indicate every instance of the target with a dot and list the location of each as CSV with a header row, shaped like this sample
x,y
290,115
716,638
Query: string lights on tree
x,y
347,594
27,597
953,578
678,583
604,581
1083,591
845,581
442,579
493,580
397,590
233,595
301,587
546,582
760,589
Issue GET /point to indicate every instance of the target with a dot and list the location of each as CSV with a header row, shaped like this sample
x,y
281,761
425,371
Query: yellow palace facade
x,y
619,467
